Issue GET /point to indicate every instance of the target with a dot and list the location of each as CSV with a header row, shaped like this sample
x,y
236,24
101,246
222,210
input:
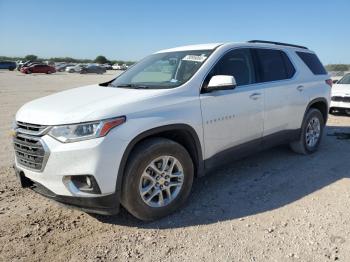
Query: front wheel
x,y
158,179
311,133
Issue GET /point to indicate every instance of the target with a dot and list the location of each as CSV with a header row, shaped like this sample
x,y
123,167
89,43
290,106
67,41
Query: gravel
x,y
271,206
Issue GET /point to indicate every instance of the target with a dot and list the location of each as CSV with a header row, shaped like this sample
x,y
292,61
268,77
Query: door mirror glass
x,y
221,82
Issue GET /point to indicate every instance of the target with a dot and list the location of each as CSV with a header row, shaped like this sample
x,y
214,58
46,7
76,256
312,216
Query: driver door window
x,y
237,63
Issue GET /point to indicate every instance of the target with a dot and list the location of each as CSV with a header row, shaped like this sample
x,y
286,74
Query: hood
x,y
340,89
88,103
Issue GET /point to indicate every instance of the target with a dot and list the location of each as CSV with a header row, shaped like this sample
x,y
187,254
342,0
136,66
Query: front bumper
x,y
340,100
104,205
340,104
98,157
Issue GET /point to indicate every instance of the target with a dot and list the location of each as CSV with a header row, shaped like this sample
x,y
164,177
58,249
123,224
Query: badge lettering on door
x,y
229,117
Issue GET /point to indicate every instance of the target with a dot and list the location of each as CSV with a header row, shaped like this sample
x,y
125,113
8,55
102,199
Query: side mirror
x,y
335,81
221,82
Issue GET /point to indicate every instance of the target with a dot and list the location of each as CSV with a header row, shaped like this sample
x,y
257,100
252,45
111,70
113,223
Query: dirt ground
x,y
273,206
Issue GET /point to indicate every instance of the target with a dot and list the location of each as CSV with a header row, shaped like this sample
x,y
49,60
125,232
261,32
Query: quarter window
x,y
313,63
274,65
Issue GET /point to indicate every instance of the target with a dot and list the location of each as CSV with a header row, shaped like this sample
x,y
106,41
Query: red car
x,y
38,69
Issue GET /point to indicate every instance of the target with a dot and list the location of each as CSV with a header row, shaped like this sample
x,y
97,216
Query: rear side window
x,y
274,65
313,63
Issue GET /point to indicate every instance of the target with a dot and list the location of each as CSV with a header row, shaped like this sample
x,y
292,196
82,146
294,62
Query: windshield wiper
x,y
124,85
133,86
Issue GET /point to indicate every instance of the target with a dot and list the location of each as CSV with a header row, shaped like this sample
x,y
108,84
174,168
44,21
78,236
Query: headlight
x,y
84,131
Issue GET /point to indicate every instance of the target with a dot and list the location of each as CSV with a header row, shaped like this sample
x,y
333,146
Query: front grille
x,y
31,129
30,150
341,99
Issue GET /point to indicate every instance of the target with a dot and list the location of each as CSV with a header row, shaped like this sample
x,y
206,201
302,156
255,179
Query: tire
x,y
49,72
29,72
302,146
139,163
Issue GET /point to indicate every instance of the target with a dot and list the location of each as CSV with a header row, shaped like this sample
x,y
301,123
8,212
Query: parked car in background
x,y
40,68
62,67
22,64
116,67
93,69
124,67
340,100
107,66
8,65
27,64
74,68
140,139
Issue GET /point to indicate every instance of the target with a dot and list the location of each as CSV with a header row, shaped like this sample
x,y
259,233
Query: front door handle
x,y
300,88
255,96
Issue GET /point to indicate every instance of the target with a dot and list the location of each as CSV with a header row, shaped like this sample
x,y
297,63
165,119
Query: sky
x,y
132,29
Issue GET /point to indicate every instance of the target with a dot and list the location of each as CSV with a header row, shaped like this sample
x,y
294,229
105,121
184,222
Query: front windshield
x,y
345,80
162,70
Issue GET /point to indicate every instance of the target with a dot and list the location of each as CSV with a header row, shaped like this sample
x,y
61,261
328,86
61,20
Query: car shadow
x,y
259,183
340,113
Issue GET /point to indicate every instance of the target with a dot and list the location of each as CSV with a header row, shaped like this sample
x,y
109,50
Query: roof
x,y
255,43
192,47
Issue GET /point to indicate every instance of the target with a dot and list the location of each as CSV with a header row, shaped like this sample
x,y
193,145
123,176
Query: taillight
x,y
329,82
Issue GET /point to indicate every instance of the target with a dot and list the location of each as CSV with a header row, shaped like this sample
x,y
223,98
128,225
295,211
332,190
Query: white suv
x,y
140,139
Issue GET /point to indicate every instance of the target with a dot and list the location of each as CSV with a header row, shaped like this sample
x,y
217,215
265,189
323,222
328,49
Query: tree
x,y
31,58
337,67
340,68
101,60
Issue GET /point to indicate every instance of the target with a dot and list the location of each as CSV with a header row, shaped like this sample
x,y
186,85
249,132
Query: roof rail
x,y
276,43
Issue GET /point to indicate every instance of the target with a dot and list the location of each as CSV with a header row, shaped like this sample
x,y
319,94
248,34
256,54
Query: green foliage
x,y
31,58
121,62
65,59
70,60
101,59
338,67
8,58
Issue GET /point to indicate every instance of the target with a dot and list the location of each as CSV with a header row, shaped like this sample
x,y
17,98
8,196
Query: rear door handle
x,y
300,88
255,96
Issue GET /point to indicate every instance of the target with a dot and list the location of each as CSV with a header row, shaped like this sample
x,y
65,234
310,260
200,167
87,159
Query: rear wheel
x,y
158,179
311,133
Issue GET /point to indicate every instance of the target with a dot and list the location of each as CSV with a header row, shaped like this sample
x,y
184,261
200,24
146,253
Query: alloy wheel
x,y
161,181
313,132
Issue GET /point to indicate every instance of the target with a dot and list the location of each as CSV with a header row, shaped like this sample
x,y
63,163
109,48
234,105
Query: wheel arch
x,y
320,104
181,133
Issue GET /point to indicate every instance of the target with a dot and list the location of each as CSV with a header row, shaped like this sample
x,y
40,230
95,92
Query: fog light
x,y
82,183
88,182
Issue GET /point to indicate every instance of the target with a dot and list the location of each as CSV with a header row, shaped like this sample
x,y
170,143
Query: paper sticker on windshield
x,y
194,58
